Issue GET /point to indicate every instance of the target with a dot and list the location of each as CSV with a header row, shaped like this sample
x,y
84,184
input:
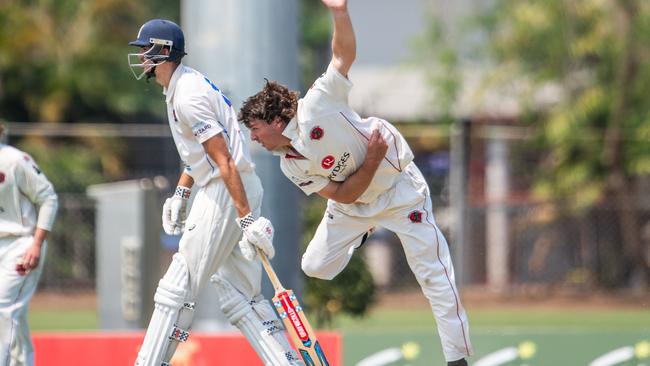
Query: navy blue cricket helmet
x,y
157,34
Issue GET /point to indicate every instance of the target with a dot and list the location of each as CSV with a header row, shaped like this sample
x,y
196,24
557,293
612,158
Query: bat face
x,y
290,311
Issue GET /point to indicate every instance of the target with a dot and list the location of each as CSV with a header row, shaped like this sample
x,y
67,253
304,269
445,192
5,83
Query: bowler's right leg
x,y
335,241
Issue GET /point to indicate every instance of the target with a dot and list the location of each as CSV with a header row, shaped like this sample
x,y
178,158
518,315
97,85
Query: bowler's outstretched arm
x,y
344,47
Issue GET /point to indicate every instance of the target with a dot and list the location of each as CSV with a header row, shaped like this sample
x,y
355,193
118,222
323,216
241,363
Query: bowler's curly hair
x,y
273,101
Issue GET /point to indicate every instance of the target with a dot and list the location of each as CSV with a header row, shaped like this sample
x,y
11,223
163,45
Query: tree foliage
x,y
597,136
65,60
441,64
315,32
593,49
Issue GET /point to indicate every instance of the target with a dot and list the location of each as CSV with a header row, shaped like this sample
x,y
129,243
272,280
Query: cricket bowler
x,y
364,167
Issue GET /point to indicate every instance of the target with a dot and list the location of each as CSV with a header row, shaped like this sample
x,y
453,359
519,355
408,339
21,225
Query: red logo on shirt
x,y
2,177
328,162
415,216
316,133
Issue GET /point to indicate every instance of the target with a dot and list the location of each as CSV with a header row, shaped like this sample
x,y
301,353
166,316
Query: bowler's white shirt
x,y
334,140
22,187
197,110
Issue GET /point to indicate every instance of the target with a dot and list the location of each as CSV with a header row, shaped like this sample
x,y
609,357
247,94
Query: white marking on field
x,y
614,357
499,357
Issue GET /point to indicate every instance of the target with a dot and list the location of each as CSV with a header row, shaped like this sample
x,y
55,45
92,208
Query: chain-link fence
x,y
484,181
71,249
500,232
74,156
523,224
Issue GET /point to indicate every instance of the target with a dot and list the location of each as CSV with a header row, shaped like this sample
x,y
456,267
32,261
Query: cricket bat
x,y
294,319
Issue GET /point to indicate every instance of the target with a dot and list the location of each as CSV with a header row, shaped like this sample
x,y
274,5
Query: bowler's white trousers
x,y
16,347
405,210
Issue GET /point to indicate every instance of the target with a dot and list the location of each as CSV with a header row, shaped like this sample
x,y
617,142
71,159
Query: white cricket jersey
x,y
197,110
22,187
334,140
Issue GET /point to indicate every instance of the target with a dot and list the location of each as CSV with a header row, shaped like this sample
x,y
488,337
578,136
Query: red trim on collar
x,y
289,156
294,155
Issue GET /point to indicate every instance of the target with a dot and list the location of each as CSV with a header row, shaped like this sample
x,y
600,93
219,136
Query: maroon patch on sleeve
x,y
415,216
316,133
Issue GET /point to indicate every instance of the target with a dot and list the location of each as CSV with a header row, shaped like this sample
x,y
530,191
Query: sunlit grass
x,y
414,319
422,319
49,320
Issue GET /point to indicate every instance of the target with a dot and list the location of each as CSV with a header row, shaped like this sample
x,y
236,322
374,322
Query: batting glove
x,y
175,211
257,234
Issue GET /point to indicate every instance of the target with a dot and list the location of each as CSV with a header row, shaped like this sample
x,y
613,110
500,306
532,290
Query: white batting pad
x,y
258,323
164,331
274,327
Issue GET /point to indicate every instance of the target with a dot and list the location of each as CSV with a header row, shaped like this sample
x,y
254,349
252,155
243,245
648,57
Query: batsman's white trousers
x,y
208,246
406,211
209,243
15,292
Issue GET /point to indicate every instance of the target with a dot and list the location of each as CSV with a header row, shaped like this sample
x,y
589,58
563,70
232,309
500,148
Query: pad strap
x,y
179,335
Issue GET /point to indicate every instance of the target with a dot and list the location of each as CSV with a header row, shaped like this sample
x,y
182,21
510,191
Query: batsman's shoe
x,y
460,362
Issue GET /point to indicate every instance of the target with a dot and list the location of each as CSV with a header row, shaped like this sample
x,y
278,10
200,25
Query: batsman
x,y
227,203
364,167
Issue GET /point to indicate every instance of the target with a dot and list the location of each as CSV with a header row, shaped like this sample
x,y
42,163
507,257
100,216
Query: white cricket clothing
x,y
208,246
15,293
333,138
406,211
258,322
197,110
209,243
23,187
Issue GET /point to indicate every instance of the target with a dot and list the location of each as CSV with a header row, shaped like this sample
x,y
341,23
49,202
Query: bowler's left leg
x,y
411,218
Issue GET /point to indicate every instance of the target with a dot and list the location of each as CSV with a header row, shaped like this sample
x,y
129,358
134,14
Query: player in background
x,y
227,202
364,167
28,206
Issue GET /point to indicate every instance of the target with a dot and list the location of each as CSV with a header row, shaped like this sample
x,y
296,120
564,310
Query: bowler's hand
x,y
30,259
336,4
377,148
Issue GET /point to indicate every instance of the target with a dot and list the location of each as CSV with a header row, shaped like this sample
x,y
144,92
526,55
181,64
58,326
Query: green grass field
x,y
553,337
557,337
